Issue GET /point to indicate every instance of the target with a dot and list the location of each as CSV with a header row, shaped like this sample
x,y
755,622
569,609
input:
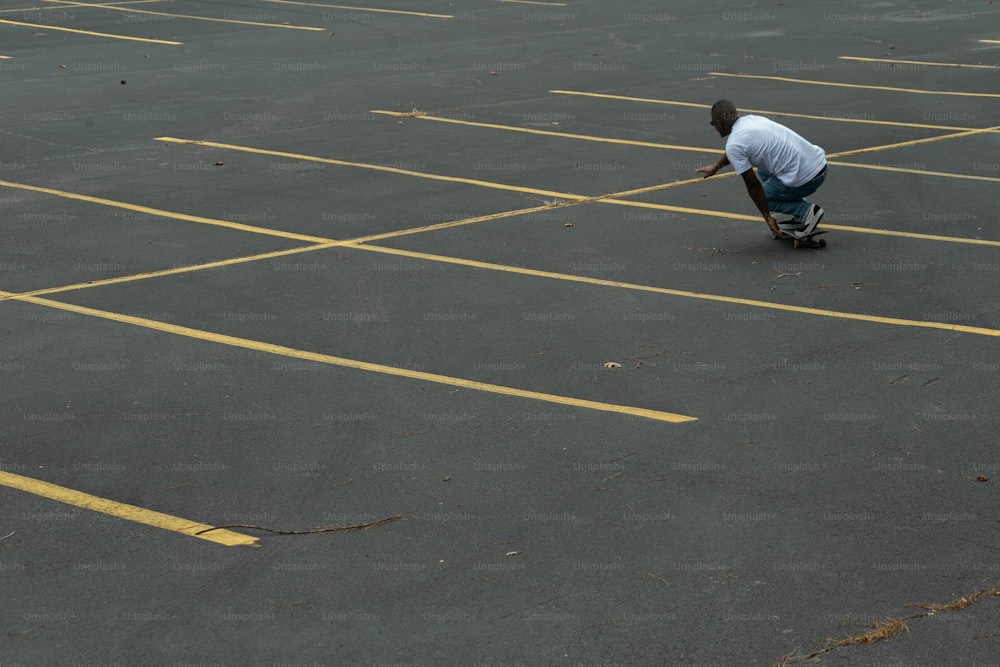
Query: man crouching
x,y
789,167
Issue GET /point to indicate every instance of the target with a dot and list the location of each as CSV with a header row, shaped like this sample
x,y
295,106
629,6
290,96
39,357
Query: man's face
x,y
723,127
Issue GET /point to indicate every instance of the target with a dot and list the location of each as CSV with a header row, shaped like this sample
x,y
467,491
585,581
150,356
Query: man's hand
x,y
773,224
710,170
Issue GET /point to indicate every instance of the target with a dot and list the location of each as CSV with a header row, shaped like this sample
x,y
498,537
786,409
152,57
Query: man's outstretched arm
x,y
713,169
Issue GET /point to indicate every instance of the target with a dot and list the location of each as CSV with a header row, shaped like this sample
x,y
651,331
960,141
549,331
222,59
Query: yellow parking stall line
x,y
123,511
146,210
363,9
770,305
918,172
916,91
964,132
831,118
70,3
276,254
914,142
757,218
550,133
370,367
172,271
52,7
571,198
535,2
46,27
916,62
375,167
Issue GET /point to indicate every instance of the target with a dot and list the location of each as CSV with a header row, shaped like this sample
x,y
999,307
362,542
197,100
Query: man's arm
x,y
756,192
713,169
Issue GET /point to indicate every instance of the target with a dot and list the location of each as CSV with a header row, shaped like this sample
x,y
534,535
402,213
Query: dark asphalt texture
x,y
841,472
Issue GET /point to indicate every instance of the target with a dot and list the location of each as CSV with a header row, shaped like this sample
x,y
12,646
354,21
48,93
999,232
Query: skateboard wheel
x,y
797,243
822,243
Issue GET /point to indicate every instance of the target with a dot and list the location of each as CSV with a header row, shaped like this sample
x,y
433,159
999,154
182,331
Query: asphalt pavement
x,y
406,334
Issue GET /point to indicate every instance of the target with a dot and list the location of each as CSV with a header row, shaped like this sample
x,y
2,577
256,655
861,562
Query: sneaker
x,y
812,219
791,225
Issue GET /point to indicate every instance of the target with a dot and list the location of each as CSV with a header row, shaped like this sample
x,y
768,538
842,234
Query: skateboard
x,y
807,241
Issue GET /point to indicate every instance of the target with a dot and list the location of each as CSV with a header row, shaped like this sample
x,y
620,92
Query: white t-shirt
x,y
759,142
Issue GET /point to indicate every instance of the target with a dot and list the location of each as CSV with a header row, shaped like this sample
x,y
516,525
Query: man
x,y
790,168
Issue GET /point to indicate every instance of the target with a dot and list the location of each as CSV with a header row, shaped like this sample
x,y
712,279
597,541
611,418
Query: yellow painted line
x,y
550,133
913,235
50,7
915,91
965,132
183,16
756,218
5,57
915,142
684,293
321,244
173,271
834,119
612,198
916,62
166,214
281,350
364,9
446,225
359,243
375,167
122,511
534,2
89,32
919,172
330,243
990,41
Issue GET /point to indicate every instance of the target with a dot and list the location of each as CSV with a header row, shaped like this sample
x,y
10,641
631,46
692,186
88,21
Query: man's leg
x,y
783,199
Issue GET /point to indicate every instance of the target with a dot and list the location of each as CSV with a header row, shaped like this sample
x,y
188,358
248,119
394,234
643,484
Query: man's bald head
x,y
724,115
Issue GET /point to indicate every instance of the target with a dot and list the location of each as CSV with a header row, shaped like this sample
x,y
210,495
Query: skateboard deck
x,y
807,240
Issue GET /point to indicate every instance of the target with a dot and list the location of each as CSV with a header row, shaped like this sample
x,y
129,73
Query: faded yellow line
x,y
914,142
5,57
989,41
919,172
375,167
534,2
447,225
281,350
89,32
965,132
915,62
122,511
756,218
831,118
361,241
50,7
70,3
166,214
330,243
365,9
550,133
570,198
915,91
170,272
684,293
